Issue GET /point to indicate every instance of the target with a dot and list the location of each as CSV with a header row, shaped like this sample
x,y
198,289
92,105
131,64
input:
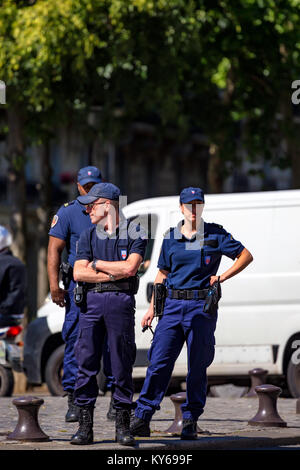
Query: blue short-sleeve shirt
x,y
68,224
192,262
95,243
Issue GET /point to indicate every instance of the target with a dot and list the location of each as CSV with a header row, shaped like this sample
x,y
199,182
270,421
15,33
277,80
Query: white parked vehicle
x,y
259,313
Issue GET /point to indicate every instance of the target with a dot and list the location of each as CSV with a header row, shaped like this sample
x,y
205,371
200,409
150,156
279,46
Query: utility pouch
x,y
134,284
79,294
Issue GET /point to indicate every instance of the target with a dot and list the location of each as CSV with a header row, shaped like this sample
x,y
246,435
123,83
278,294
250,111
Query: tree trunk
x,y
295,157
16,185
16,196
291,135
44,213
215,171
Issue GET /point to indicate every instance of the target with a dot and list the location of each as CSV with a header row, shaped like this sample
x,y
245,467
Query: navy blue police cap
x,y
89,174
191,194
104,190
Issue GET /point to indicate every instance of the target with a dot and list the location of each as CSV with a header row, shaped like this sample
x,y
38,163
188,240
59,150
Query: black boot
x,y
123,434
84,435
189,430
111,414
139,427
72,415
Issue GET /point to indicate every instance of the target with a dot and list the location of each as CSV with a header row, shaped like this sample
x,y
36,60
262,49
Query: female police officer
x,y
188,263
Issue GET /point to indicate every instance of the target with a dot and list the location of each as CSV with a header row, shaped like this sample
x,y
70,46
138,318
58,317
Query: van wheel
x,y
54,371
293,374
7,382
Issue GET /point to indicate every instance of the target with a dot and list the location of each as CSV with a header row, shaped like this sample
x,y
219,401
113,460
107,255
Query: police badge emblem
x,y
54,221
207,260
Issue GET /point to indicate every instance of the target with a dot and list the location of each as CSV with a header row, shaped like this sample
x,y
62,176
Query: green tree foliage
x,y
191,64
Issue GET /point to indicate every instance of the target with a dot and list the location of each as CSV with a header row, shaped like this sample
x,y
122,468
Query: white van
x,y
259,313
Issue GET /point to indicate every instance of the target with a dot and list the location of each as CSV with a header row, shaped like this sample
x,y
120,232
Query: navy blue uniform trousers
x,y
111,314
69,335
183,320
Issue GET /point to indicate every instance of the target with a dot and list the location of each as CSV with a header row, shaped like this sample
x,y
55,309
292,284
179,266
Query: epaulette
x,y
66,204
168,231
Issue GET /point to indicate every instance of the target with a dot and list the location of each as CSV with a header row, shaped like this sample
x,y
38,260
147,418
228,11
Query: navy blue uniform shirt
x,y
68,224
191,262
95,243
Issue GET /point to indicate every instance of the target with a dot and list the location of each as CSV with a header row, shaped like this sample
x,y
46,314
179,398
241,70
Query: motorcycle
x,y
10,358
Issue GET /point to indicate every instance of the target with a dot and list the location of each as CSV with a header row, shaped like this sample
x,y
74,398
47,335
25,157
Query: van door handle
x,y
149,291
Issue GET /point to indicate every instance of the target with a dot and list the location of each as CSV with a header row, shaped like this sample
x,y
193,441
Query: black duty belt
x,y
187,294
110,286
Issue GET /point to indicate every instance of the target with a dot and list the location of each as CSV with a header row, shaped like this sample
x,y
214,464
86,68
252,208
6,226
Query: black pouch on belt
x,y
80,294
134,284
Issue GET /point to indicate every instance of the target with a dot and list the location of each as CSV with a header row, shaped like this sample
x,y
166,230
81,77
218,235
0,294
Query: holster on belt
x,y
212,298
159,297
66,274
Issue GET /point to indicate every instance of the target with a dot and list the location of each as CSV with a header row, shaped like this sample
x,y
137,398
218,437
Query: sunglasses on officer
x,y
92,204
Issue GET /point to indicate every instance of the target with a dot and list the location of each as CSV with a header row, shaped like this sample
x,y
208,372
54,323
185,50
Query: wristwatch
x,y
111,277
94,265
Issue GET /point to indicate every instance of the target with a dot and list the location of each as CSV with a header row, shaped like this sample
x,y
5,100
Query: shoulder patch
x,y
54,221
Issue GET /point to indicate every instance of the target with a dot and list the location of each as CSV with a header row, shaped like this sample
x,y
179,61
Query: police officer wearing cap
x,y
189,260
12,283
66,227
108,257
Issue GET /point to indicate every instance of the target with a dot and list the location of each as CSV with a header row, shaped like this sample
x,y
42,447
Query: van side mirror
x,y
149,291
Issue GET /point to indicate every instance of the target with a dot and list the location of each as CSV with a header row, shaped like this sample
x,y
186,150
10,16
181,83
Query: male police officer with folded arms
x,y
190,257
107,261
66,227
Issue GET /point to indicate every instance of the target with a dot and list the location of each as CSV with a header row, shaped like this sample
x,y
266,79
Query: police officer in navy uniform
x,y
66,227
107,261
189,260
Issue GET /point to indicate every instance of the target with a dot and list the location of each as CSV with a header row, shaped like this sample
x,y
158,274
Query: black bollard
x,y
28,428
176,427
258,377
267,415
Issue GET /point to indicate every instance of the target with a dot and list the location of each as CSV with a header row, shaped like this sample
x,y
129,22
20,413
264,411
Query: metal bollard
x,y
258,377
267,415
176,427
28,428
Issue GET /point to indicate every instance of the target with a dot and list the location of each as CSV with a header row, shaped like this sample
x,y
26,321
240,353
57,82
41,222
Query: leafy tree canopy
x,y
189,64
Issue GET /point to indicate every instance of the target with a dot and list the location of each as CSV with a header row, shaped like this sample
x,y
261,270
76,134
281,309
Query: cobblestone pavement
x,y
224,425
